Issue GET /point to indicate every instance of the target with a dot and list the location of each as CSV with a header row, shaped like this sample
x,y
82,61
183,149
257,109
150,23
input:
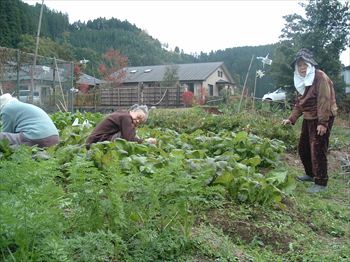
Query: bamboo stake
x,y
245,83
64,104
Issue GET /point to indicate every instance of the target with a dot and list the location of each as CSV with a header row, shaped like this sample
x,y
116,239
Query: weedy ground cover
x,y
214,188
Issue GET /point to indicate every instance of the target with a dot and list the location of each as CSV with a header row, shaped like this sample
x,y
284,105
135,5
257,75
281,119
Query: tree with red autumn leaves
x,y
112,68
77,71
188,98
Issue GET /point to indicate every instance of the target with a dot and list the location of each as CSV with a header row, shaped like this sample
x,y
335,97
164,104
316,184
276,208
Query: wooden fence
x,y
122,97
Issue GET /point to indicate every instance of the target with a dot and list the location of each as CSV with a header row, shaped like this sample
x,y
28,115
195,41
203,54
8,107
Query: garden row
x,y
123,201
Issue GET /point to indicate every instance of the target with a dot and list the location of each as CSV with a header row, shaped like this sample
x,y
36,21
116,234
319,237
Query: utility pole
x,y
35,54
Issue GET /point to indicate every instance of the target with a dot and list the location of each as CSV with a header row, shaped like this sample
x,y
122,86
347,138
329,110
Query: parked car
x,y
277,95
23,95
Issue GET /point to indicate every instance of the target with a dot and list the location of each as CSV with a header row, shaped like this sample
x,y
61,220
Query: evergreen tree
x,y
10,22
171,76
325,30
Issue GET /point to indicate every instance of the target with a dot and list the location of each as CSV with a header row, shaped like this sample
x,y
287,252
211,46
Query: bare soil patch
x,y
335,159
249,232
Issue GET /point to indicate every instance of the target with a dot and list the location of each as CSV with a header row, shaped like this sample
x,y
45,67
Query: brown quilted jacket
x,y
317,102
112,124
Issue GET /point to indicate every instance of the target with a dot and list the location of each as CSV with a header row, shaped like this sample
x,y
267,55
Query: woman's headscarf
x,y
300,82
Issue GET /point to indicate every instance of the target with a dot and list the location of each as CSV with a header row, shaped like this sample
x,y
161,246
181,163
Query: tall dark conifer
x,y
10,22
325,30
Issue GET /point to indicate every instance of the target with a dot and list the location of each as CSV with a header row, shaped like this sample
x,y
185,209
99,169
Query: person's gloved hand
x,y
286,122
151,140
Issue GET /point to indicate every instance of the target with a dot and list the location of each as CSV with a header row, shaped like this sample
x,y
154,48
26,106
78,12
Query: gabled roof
x,y
186,72
89,80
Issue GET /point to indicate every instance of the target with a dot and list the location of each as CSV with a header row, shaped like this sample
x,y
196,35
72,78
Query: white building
x,y
346,75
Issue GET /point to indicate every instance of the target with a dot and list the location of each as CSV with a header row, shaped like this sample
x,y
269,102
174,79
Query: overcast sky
x,y
193,26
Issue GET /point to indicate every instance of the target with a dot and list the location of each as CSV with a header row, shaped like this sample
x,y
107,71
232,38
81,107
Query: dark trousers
x,y
44,142
313,150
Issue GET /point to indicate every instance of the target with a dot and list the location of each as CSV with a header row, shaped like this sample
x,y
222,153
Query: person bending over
x,y
26,124
120,125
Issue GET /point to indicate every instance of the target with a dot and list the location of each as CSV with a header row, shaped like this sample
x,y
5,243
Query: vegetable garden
x,y
214,188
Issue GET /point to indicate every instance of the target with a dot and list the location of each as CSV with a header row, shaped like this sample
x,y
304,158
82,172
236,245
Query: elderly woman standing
x,y
120,125
316,102
26,124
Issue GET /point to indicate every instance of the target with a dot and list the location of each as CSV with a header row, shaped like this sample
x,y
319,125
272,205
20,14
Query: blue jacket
x,y
30,120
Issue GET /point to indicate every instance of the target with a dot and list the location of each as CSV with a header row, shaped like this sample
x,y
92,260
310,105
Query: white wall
x,y
346,75
212,79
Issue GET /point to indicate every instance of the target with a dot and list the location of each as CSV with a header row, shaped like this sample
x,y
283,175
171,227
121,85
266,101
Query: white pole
x,y
254,90
35,54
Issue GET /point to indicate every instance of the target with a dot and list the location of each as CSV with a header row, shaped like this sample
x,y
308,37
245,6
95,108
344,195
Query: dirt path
x,y
336,160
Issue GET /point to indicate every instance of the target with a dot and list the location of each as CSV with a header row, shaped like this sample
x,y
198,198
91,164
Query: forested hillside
x,y
19,22
237,60
140,48
92,39
17,18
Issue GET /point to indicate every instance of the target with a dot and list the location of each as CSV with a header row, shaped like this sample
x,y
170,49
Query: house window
x,y
190,87
211,90
219,73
